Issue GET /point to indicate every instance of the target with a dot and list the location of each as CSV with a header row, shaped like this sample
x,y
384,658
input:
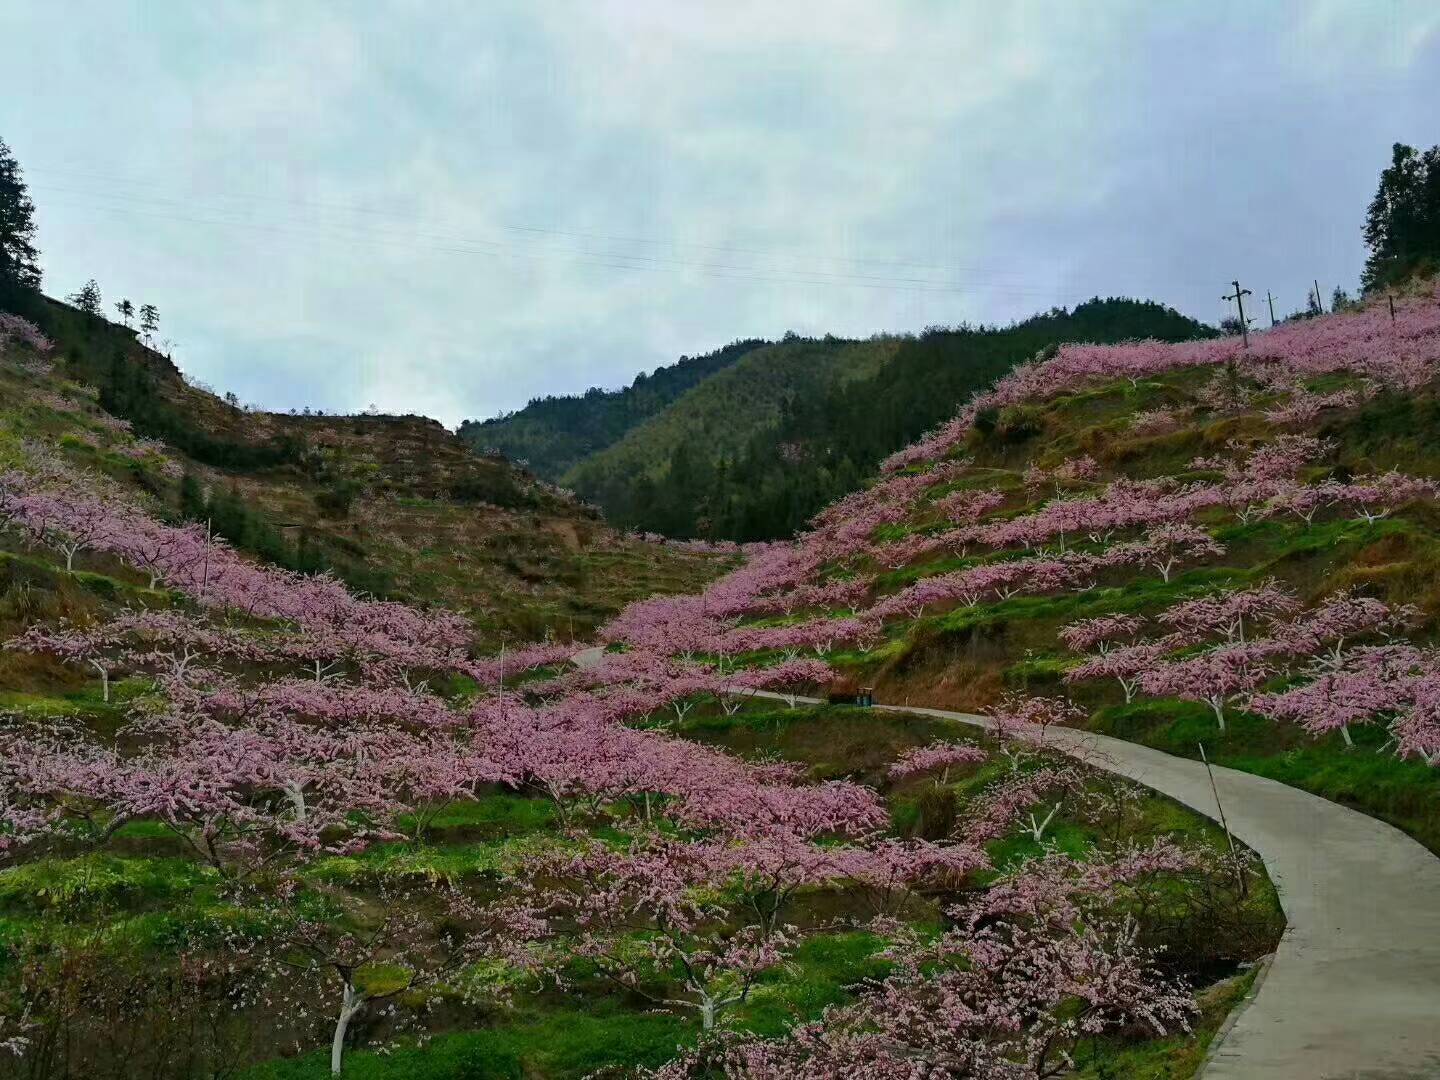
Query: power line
x,y
1009,282
544,230
605,259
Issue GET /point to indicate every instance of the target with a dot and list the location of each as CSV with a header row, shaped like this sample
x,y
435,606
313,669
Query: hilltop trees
x,y
1402,226
827,433
19,266
87,299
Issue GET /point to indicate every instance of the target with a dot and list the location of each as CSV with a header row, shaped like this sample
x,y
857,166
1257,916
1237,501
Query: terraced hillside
x,y
1173,543
397,506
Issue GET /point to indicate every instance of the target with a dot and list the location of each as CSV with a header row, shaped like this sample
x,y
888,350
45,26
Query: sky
x,y
451,208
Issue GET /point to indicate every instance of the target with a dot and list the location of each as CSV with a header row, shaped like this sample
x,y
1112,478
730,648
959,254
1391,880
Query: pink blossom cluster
x,y
1023,973
250,772
1304,407
64,512
15,328
968,506
1402,353
939,756
492,671
1222,648
1072,470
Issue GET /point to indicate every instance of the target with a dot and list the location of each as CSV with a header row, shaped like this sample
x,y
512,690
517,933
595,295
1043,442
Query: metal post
x,y
1239,297
1229,838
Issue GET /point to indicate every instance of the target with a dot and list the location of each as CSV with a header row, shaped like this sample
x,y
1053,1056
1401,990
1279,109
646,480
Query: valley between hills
x,y
1058,699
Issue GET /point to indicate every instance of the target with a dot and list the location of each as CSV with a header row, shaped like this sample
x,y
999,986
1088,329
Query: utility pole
x,y
1239,297
1271,301
1391,298
1319,301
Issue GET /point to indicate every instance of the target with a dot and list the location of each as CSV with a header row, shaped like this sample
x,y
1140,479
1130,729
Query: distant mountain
x,y
553,434
753,451
656,476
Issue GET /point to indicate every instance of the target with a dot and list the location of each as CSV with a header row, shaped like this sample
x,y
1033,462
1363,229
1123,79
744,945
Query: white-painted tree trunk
x,y
351,1004
1219,709
296,794
1037,829
104,679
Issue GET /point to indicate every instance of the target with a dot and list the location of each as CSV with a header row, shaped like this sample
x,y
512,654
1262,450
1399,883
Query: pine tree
x,y
18,255
149,320
1402,225
126,310
88,299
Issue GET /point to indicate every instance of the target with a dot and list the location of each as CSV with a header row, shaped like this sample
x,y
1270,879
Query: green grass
x,y
62,886
496,814
820,974
833,740
1174,1057
424,862
560,1043
577,1036
1404,793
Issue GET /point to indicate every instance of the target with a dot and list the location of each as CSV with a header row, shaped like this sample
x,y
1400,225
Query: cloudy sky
x,y
449,208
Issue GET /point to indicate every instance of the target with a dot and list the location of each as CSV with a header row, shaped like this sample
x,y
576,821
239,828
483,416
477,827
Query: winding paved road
x,y
1353,992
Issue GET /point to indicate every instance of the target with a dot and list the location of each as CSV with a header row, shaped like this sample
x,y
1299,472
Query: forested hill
x,y
646,479
552,434
396,506
760,471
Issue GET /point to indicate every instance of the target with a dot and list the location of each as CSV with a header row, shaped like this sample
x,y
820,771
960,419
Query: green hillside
x,y
396,506
675,451
553,434
752,454
1177,424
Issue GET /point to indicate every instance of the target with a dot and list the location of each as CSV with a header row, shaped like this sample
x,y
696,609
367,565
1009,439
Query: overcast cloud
x,y
451,208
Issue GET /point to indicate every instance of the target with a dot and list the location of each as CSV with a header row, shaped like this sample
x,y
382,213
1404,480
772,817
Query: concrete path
x,y
1353,992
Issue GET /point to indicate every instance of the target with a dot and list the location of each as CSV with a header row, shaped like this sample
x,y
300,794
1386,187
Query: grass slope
x,y
968,656
395,505
752,454
553,434
718,417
